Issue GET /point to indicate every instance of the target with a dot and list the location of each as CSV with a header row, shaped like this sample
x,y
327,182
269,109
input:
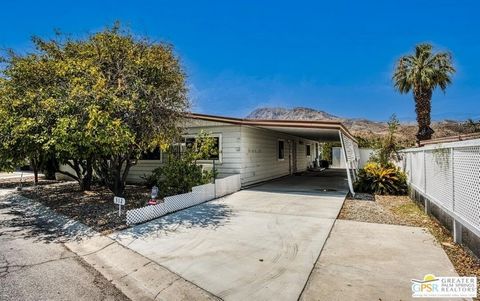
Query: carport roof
x,y
310,129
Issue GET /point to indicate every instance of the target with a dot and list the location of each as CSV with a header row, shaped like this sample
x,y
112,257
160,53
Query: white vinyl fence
x,y
199,194
449,176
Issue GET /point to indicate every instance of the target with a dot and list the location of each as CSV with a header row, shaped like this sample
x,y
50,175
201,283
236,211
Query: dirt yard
x,y
27,182
94,208
401,210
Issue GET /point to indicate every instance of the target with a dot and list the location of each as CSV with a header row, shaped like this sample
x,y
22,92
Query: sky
x,y
336,56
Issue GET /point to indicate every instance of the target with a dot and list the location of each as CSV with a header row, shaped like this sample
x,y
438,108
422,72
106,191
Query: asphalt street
x,y
36,265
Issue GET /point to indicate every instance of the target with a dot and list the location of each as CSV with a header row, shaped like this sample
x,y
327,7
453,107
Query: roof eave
x,y
276,122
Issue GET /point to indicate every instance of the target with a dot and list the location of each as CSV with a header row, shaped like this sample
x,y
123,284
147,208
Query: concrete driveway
x,y
251,245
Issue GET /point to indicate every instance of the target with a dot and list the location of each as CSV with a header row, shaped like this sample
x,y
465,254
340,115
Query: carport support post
x,y
347,168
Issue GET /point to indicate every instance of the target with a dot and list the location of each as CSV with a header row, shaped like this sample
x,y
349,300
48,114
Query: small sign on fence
x,y
121,202
154,193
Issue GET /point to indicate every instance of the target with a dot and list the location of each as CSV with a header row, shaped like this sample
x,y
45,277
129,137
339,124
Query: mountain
x,y
289,114
361,127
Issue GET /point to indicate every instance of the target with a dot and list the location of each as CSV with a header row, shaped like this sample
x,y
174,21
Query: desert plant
x,y
388,146
378,179
472,126
421,73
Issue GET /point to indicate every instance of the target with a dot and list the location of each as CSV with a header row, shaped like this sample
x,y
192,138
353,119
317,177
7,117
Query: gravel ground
x,y
401,210
94,208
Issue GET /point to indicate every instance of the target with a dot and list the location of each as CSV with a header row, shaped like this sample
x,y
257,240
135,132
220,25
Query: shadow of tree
x,y
207,215
93,208
29,219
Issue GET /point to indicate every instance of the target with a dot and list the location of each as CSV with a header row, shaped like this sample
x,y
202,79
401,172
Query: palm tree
x,y
421,73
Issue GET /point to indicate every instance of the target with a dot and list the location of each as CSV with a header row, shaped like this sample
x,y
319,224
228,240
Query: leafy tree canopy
x,y
98,102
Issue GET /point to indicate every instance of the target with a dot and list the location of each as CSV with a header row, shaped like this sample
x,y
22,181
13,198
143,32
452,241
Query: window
x,y
308,149
151,155
190,143
281,149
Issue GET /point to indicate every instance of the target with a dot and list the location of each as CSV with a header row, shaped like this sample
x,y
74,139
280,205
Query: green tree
x,y
140,98
75,137
47,109
97,103
27,111
421,73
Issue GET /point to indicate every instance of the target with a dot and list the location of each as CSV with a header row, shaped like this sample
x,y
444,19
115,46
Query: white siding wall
x,y
304,161
230,162
62,177
245,150
141,169
260,159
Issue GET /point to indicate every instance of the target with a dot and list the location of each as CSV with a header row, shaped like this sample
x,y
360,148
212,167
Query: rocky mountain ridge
x,y
360,127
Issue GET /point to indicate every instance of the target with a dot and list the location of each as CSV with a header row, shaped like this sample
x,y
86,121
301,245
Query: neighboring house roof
x,y
454,138
307,128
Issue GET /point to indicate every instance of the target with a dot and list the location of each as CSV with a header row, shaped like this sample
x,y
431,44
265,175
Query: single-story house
x,y
261,150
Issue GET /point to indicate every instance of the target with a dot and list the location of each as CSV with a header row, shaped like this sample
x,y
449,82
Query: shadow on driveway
x,y
211,214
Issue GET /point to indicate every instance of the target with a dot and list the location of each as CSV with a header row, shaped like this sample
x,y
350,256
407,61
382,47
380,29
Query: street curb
x,y
136,276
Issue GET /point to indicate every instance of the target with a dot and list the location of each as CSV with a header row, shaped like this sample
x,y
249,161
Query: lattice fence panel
x,y
349,148
147,213
227,185
357,155
467,184
199,194
438,176
204,192
417,170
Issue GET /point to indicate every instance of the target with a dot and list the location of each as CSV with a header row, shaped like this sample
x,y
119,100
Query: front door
x,y
292,156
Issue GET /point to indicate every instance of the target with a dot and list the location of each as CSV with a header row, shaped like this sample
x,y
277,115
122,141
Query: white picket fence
x,y
198,195
448,175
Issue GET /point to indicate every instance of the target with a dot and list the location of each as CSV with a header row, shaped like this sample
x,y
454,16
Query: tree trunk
x,y
83,172
35,171
87,179
423,109
113,171
118,184
50,167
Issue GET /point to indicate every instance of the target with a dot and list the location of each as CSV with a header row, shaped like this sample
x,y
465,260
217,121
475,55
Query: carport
x,y
312,130
320,131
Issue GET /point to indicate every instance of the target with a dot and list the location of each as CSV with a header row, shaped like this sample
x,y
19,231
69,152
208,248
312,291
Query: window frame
x,y
220,147
308,150
278,149
160,159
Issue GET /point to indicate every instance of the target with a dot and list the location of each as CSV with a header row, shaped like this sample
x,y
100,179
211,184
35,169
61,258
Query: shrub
x,y
181,172
178,175
378,179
